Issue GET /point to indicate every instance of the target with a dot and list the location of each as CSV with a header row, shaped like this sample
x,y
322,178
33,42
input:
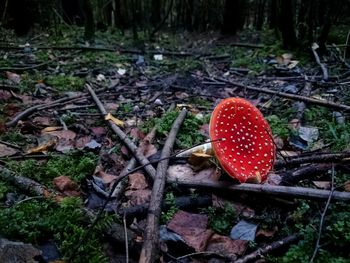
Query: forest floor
x,y
72,115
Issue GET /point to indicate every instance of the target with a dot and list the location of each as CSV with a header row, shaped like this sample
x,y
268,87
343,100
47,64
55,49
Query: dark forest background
x,y
296,21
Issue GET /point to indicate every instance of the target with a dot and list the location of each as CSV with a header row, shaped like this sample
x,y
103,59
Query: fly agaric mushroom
x,y
241,140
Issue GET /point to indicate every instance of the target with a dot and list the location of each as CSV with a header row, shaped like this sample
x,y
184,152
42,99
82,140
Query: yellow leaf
x,y
109,117
43,147
50,129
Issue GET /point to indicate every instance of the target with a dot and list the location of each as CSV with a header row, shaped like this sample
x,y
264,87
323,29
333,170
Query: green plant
x,y
222,219
172,208
278,126
74,166
189,132
65,83
15,137
36,221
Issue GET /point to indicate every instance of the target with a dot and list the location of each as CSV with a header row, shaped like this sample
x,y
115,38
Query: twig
x,y
27,68
257,254
28,185
27,112
319,158
126,240
123,137
10,145
289,96
151,233
317,246
322,65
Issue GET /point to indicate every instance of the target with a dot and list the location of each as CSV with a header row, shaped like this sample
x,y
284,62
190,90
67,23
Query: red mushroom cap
x,y
242,140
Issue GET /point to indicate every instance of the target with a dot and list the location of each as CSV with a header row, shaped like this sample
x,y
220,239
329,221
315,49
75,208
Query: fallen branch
x,y
257,254
318,61
151,233
123,137
29,111
28,185
319,158
287,191
289,96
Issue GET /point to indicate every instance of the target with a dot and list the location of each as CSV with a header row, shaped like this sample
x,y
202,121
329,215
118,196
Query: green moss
x,y
65,83
221,220
172,208
37,221
278,126
188,135
76,167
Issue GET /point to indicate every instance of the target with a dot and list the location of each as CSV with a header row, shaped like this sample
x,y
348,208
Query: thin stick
x,y
257,254
289,96
322,65
126,240
151,234
317,246
132,147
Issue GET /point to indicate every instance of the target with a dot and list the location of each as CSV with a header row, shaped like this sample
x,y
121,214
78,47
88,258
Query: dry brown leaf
x,y
226,246
106,177
6,151
5,95
15,78
199,159
192,228
138,197
347,186
98,131
266,233
66,186
322,184
82,141
44,121
64,134
137,181
44,147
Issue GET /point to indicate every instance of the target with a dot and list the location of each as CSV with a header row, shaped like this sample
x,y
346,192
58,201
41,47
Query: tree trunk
x,y
273,14
234,16
89,20
287,24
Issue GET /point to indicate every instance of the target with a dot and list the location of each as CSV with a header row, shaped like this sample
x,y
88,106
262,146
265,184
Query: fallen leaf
x,y
64,146
225,246
267,233
244,230
44,121
347,186
66,186
137,181
98,131
109,117
93,144
322,184
64,134
50,129
48,143
15,78
192,228
199,160
82,141
5,95
138,197
6,150
106,177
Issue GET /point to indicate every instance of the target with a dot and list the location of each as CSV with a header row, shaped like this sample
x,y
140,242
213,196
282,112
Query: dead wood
x,y
305,172
28,185
287,191
289,96
29,111
322,65
151,233
259,253
301,104
123,137
319,158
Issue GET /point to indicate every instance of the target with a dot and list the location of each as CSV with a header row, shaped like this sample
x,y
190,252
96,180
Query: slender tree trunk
x,y
89,20
234,16
273,14
287,24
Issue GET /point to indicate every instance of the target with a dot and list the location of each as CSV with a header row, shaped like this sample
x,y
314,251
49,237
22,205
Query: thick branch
x,y
151,236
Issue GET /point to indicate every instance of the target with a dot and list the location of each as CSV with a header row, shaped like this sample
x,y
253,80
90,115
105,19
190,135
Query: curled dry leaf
x,y
224,245
322,184
49,143
192,228
66,186
347,186
6,151
138,197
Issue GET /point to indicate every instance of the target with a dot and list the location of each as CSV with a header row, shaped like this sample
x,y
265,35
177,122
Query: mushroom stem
x,y
202,148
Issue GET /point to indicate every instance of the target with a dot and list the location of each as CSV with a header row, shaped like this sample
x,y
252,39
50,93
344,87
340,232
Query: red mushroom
x,y
242,140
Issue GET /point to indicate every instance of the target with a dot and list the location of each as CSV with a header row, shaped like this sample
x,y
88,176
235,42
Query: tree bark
x,y
287,24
